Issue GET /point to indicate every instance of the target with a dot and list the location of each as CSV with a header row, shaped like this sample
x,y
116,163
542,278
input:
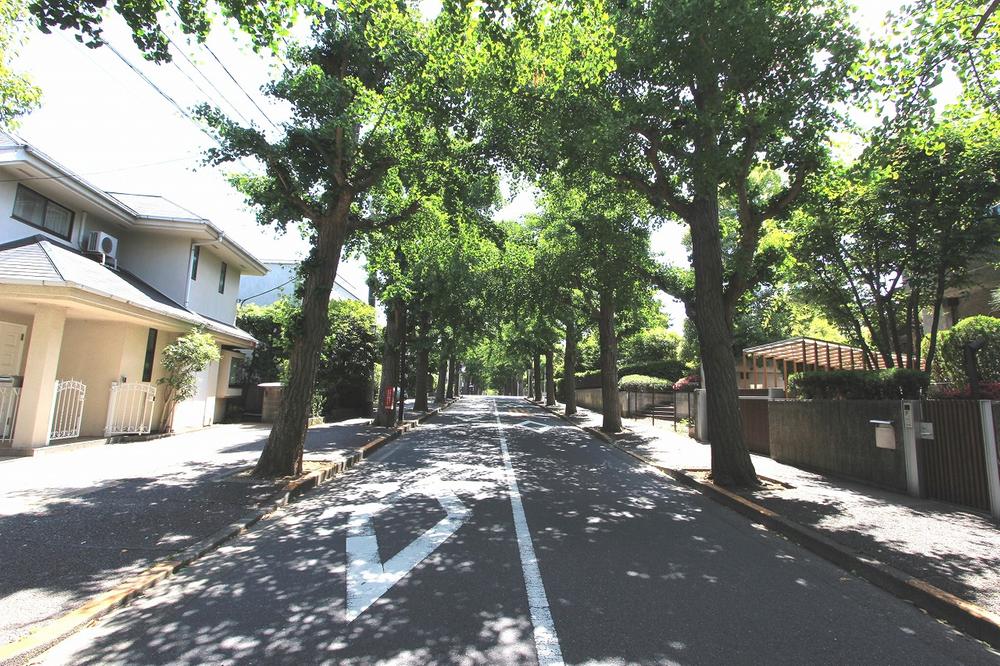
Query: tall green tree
x,y
879,241
342,166
698,94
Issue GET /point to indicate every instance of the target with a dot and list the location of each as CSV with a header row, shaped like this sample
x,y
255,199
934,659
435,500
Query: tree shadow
x,y
60,546
635,569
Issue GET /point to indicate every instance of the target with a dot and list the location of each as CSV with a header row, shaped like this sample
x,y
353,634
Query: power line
x,y
207,80
165,96
242,89
228,73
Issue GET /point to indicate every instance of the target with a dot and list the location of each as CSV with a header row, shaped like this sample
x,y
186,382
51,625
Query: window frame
x,y
235,363
150,356
222,277
45,208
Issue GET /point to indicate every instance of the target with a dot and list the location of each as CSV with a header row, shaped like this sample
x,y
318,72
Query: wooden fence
x,y
756,430
954,460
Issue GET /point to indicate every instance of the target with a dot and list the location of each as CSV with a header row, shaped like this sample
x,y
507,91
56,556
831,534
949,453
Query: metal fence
x,y
67,411
130,410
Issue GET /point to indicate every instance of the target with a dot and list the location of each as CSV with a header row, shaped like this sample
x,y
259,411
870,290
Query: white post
x,y
992,468
910,416
38,392
701,421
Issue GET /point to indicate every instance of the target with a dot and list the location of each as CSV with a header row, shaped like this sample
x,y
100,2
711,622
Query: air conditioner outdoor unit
x,y
102,247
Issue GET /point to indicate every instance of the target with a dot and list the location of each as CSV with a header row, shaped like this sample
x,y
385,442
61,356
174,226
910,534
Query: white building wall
x,y
204,297
159,260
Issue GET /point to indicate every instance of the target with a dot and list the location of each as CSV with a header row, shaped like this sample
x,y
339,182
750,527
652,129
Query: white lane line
x,y
546,640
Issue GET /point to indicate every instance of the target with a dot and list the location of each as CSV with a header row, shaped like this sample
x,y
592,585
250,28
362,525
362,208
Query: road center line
x,y
546,640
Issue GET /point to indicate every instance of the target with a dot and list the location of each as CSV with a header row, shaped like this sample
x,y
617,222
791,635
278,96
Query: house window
x,y
195,253
147,366
222,278
237,372
32,208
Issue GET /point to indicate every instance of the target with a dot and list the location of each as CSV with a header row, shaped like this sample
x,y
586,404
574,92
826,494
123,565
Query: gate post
x,y
910,413
992,468
701,418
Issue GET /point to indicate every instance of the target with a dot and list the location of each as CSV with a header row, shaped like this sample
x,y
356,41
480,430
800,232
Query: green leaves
x,y
18,96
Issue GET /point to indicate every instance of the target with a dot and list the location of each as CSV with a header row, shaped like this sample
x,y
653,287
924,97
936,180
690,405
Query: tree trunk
x,y
936,321
569,369
401,383
731,464
550,377
423,364
609,364
451,378
442,381
536,376
385,415
282,455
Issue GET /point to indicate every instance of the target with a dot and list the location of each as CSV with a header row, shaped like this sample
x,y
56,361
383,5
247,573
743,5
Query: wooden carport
x,y
768,365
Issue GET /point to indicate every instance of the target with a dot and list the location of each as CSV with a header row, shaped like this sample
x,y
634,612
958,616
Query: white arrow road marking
x,y
546,640
368,578
534,425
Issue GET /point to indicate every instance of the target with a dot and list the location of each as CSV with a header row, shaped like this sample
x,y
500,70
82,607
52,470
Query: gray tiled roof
x,y
152,205
39,260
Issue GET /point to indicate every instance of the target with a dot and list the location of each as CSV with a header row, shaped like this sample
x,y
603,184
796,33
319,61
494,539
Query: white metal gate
x,y
130,411
67,409
9,396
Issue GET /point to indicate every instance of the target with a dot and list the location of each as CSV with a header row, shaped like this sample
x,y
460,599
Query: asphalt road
x,y
483,539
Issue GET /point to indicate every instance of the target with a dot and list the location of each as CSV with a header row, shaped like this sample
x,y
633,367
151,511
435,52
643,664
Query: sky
x,y
101,119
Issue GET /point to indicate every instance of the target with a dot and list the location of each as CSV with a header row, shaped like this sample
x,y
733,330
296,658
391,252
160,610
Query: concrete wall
x,y
835,436
591,399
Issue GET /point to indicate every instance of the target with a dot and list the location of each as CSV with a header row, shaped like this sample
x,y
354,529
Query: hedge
x,y
670,369
891,384
950,365
644,383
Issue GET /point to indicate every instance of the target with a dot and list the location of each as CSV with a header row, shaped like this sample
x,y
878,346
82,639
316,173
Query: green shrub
x,y
650,346
891,384
182,360
670,370
644,383
950,364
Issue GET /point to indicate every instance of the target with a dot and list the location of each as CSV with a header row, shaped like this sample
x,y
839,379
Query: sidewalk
x,y
951,547
76,524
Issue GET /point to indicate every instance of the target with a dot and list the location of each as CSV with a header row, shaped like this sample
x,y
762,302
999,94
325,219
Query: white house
x,y
93,285
280,281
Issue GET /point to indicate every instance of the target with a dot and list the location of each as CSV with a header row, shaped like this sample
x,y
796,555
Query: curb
x,y
974,620
53,631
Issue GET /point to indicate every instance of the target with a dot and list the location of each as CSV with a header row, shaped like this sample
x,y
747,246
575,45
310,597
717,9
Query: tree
x,y
264,22
879,242
18,96
602,236
182,360
340,167
928,38
699,95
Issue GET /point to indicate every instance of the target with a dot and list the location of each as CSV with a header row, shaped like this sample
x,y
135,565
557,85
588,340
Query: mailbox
x,y
885,434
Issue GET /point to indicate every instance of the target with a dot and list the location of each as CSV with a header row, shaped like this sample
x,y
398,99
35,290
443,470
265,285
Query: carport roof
x,y
813,351
37,260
